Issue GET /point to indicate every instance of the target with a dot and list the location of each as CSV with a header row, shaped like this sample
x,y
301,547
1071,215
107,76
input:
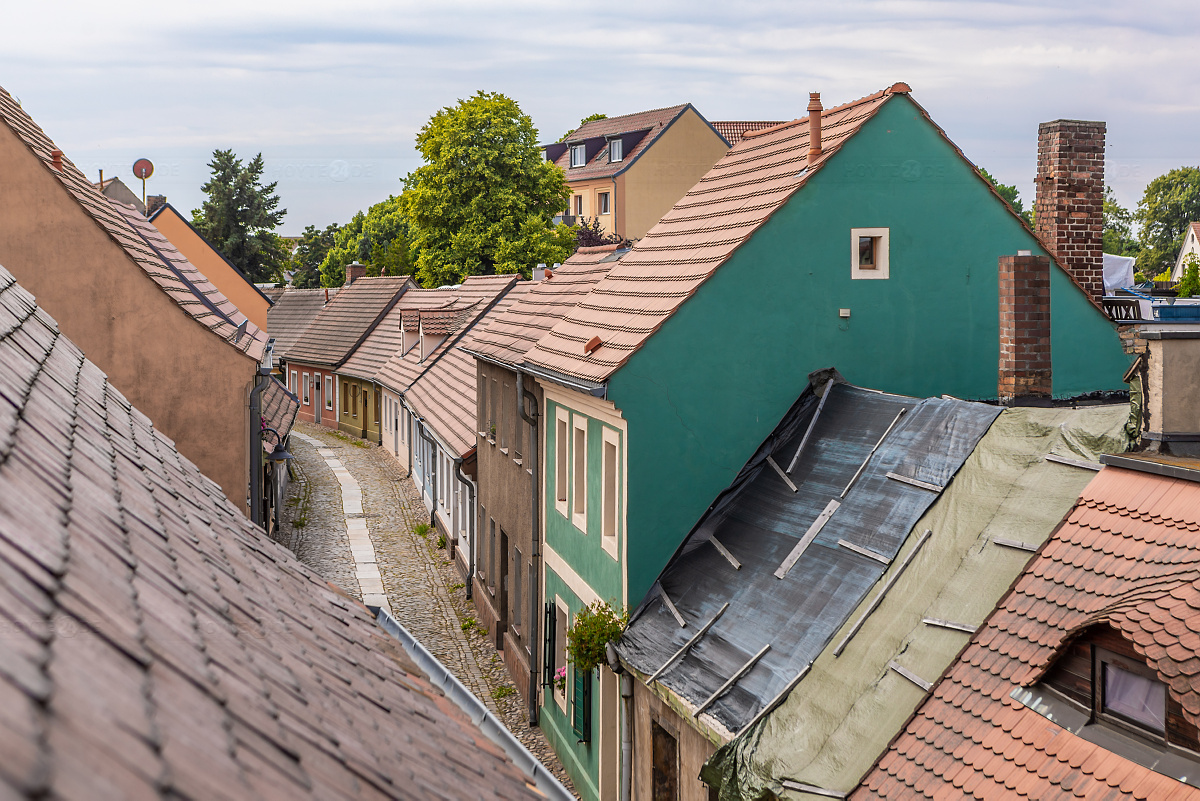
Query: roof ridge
x,y
824,112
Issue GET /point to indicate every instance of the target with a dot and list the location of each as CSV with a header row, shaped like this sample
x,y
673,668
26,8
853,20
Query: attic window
x,y
869,252
578,155
867,245
1132,693
616,149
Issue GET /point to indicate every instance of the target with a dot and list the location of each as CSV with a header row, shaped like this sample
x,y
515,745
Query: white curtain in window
x,y
1135,697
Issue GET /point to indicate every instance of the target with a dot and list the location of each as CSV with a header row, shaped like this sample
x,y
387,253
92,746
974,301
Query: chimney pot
x,y
814,124
56,159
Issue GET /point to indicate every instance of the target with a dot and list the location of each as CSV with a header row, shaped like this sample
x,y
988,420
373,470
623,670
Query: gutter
x,y
479,715
595,390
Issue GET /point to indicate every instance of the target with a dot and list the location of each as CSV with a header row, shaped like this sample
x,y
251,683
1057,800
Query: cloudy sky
x,y
333,94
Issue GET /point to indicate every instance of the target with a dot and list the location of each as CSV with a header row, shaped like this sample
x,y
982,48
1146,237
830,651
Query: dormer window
x,y
616,149
578,155
1131,693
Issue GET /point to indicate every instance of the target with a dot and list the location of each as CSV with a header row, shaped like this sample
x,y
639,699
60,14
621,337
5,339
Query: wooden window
x,y
329,392
517,594
664,755
295,386
1129,694
561,618
377,401
869,253
602,203
581,706
304,386
491,555
579,484
609,494
561,444
345,398
505,411
579,205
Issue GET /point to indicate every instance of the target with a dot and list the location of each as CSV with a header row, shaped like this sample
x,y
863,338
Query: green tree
x,y
310,252
241,214
1011,195
1169,203
583,122
1118,227
484,201
378,238
1189,283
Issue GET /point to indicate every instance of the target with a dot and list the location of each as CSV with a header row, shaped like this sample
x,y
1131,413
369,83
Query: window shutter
x,y
548,649
581,718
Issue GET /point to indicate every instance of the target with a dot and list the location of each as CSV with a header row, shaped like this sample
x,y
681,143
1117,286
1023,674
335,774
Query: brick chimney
x,y
154,203
1025,373
355,271
1070,198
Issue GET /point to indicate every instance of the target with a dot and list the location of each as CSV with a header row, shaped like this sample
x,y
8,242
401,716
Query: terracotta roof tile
x,y
348,317
1115,561
534,308
141,241
654,121
292,314
684,249
279,408
732,131
159,645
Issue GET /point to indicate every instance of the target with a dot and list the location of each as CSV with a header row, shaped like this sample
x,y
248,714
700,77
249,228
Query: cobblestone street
x,y
425,591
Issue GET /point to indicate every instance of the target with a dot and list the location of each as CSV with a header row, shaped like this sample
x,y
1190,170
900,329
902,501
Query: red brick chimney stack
x,y
814,124
1025,371
1070,198
355,271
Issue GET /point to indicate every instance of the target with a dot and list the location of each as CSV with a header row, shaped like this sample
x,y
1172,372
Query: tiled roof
x,y
273,293
157,644
733,131
655,120
696,237
182,282
292,314
446,397
279,408
1128,555
342,324
477,294
535,307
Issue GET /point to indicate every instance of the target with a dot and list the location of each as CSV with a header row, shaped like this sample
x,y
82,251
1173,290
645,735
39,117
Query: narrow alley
x,y
354,516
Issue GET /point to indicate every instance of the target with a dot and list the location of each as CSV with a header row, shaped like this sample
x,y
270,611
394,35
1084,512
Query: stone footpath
x,y
371,540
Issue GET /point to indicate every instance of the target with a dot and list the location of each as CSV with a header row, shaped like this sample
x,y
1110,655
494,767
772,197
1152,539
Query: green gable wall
x,y
704,391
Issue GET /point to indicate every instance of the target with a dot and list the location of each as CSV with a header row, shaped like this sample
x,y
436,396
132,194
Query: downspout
x,y
470,526
614,662
535,551
260,383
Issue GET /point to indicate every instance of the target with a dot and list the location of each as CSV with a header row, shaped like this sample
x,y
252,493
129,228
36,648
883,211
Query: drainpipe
x,y
471,491
535,552
260,383
614,662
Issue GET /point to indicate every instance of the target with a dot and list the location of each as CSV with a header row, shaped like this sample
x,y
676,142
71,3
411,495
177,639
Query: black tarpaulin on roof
x,y
760,520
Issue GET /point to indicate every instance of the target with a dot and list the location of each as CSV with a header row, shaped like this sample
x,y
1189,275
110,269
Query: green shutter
x,y
581,718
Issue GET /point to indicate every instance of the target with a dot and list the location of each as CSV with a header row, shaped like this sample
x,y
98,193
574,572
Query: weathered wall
x,y
192,384
720,373
224,275
666,171
693,748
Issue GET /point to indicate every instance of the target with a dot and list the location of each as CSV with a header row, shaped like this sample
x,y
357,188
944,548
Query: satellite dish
x,y
142,168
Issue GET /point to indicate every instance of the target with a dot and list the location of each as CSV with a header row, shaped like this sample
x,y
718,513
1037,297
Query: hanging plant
x,y
595,626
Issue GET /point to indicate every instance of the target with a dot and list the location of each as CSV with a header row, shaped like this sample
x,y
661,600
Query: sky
x,y
333,95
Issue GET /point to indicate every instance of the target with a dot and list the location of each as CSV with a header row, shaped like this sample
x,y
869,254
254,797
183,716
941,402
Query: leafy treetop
x,y
310,253
379,239
484,201
240,215
1169,203
1118,227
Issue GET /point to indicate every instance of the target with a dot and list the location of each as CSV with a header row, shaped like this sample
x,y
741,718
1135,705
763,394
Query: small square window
x,y
578,155
616,150
602,202
869,253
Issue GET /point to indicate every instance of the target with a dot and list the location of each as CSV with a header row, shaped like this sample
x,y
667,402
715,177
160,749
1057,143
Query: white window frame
x,y
560,650
562,460
329,393
616,150
609,540
304,379
578,155
881,268
579,518
604,203
295,387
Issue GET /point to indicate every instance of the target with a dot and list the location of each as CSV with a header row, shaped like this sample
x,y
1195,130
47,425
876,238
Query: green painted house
x,y
859,237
